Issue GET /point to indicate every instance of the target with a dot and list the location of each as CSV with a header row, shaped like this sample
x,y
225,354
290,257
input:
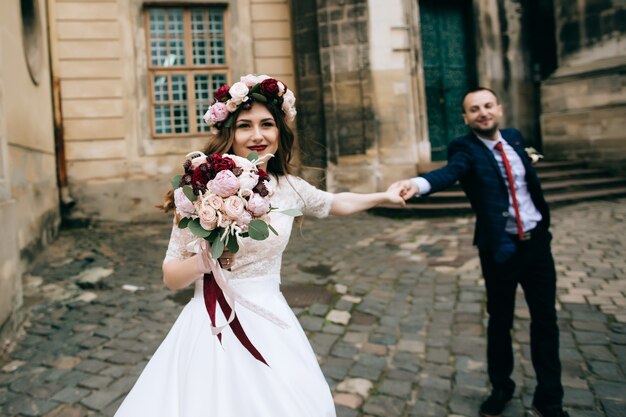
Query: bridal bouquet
x,y
221,198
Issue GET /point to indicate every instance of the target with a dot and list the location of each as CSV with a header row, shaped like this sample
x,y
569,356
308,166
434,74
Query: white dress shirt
x,y
528,212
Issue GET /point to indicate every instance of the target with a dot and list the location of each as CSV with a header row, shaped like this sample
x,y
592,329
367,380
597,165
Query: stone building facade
x,y
584,100
118,165
29,210
115,99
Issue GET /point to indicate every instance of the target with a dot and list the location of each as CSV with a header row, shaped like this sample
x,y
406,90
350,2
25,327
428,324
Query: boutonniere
x,y
533,154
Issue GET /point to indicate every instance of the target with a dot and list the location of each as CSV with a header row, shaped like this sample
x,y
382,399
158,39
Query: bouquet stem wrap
x,y
216,290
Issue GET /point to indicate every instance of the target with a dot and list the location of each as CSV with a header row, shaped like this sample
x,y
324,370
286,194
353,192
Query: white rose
x,y
239,93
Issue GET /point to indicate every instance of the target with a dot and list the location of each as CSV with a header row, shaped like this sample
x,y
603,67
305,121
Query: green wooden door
x,y
449,68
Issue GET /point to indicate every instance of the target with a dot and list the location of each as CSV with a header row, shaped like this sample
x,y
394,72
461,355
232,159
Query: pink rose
x,y
208,217
184,207
258,205
224,184
223,220
214,201
250,80
289,105
234,207
248,180
218,112
244,220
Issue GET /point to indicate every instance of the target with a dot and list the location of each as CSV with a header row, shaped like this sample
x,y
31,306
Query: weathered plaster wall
x,y
28,186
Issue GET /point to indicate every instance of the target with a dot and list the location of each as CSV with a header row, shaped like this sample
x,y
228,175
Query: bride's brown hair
x,y
222,142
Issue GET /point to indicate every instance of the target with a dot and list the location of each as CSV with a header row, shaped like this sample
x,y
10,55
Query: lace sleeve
x,y
176,249
315,201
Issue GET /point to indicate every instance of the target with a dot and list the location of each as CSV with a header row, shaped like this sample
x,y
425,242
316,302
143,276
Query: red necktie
x,y
509,176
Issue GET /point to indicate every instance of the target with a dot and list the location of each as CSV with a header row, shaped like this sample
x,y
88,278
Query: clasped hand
x,y
400,191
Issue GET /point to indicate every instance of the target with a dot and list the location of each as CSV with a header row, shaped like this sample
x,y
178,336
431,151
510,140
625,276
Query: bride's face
x,y
255,130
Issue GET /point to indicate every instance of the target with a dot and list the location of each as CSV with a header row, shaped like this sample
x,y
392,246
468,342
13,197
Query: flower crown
x,y
250,88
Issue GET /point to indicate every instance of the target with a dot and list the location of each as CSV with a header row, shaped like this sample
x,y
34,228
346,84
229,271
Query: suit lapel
x,y
488,153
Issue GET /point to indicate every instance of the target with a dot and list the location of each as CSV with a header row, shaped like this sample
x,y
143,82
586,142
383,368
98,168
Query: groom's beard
x,y
486,133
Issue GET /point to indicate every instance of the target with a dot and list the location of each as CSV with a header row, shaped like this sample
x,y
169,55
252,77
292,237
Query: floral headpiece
x,y
250,88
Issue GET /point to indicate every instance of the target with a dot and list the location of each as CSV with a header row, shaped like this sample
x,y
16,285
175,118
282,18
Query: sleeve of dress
x,y
315,201
177,247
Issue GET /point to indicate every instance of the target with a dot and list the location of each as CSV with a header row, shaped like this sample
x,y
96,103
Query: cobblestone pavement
x,y
394,308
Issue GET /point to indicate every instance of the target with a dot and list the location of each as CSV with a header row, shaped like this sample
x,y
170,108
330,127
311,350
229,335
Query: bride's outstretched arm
x,y
178,274
349,203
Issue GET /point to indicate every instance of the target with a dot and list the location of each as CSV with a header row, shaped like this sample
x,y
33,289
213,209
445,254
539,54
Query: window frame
x,y
189,70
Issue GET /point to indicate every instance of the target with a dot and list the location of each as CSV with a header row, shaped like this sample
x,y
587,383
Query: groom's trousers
x,y
532,266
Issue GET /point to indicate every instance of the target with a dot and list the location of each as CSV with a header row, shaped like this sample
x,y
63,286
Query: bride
x,y
192,373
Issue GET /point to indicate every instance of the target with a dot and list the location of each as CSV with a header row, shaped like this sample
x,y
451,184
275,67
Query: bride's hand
x,y
394,194
227,259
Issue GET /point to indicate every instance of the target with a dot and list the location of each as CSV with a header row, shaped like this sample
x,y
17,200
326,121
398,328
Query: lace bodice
x,y
262,258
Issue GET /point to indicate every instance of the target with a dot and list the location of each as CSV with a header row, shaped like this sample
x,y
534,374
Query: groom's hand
x,y
408,188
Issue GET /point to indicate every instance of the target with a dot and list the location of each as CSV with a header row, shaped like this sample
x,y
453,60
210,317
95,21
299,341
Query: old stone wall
x,y
584,101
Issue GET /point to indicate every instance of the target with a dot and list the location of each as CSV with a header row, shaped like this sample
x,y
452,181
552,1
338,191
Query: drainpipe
x,y
67,201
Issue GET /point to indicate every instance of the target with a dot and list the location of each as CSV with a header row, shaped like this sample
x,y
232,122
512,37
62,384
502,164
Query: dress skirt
x,y
192,375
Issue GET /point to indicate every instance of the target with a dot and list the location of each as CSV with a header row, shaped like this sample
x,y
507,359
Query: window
x,y
186,63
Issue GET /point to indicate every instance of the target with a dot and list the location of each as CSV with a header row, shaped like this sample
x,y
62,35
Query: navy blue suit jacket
x,y
474,166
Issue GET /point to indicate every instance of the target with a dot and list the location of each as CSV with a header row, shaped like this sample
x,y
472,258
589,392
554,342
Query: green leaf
x,y
184,222
176,181
197,230
272,229
258,230
217,248
189,193
259,97
252,156
291,212
233,245
215,234
229,121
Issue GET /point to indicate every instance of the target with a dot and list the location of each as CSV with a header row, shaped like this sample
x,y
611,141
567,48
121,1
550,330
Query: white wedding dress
x,y
192,375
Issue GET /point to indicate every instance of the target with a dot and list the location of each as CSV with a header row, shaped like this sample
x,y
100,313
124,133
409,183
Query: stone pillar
x,y
346,90
584,101
310,99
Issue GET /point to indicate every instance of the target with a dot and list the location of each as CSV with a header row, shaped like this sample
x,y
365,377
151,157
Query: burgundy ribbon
x,y
213,295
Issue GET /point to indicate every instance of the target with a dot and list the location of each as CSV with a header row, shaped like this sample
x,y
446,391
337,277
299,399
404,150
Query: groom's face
x,y
482,112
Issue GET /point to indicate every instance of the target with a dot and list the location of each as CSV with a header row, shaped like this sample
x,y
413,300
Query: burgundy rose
x,y
199,180
263,175
269,88
261,189
219,164
187,165
222,94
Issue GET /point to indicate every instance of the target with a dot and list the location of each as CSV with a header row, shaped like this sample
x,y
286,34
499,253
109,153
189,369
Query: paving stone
x,y
384,406
395,388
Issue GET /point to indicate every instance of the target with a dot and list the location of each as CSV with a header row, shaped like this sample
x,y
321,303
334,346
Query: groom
x,y
513,239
